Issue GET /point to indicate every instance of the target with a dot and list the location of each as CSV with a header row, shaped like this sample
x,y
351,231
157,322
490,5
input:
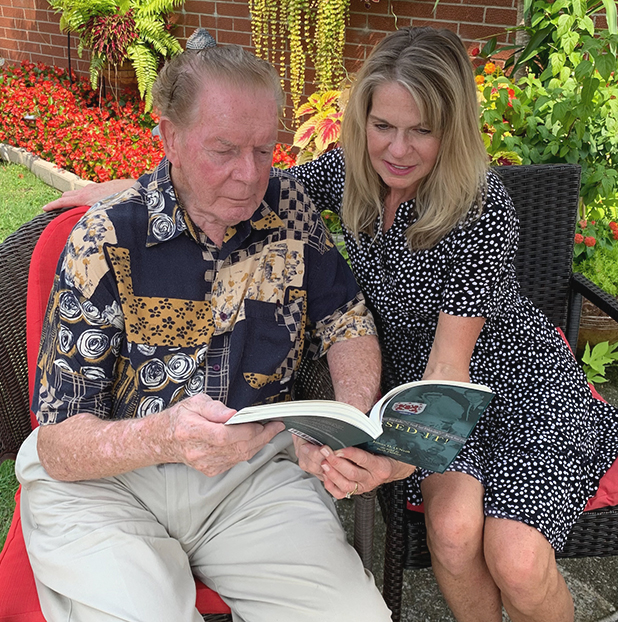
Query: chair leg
x,y
394,550
364,524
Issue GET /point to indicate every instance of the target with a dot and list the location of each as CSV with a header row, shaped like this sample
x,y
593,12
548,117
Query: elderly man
x,y
183,298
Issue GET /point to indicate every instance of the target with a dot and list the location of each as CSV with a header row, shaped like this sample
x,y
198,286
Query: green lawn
x,y
21,199
22,196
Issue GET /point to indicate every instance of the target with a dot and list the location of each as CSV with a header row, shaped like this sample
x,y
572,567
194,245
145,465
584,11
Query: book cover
x,y
427,424
424,423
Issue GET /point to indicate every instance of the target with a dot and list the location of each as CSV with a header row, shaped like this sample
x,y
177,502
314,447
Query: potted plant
x,y
115,31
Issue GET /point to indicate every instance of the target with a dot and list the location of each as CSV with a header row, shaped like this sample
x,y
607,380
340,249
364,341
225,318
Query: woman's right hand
x,y
89,194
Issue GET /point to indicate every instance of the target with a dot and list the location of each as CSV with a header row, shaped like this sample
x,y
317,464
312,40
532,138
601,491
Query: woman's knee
x,y
455,539
524,568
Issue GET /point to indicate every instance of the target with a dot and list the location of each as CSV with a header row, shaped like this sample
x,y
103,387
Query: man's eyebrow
x,y
224,142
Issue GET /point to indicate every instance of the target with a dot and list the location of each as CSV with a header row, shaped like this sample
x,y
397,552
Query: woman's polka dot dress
x,y
544,442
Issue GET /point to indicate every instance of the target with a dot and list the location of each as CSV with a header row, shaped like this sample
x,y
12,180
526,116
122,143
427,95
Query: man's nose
x,y
246,169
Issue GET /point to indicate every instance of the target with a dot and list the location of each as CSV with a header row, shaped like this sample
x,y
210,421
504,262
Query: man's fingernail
x,y
324,451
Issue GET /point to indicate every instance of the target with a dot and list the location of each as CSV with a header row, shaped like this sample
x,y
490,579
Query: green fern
x,y
97,65
146,65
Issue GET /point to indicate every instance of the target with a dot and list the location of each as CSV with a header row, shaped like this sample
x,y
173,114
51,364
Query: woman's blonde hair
x,y
179,83
434,67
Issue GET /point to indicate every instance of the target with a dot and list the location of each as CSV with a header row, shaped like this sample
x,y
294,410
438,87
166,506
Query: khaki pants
x,y
264,535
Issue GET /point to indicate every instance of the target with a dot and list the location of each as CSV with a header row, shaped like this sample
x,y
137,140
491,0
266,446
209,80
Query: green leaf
x,y
583,69
586,23
489,47
605,64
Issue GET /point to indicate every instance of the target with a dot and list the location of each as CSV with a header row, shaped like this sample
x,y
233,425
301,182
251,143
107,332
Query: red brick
x,y
49,27
10,44
225,23
191,20
376,8
455,13
209,22
196,6
242,25
232,10
239,38
414,9
357,20
15,13
474,32
383,23
505,17
39,37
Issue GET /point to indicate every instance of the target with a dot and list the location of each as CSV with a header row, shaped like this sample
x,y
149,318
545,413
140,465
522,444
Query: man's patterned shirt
x,y
146,311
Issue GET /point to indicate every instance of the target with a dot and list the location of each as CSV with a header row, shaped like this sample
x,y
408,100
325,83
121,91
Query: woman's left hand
x,y
353,471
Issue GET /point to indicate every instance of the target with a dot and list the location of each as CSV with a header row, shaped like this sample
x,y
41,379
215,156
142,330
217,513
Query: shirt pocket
x,y
273,341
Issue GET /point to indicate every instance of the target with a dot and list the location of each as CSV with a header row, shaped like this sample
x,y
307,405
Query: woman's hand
x,y
89,194
352,471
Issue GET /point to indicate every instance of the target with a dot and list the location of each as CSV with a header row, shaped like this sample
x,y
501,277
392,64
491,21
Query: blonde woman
x,y
432,235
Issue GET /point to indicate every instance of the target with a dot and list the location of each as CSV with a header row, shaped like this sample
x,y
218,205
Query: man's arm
x,y
89,194
355,368
190,432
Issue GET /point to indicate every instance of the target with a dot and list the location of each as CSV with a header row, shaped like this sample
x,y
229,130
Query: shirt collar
x,y
167,219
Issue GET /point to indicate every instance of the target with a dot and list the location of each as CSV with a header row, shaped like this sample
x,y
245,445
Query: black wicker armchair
x,y
546,199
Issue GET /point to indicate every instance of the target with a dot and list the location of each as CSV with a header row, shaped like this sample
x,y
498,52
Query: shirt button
x,y
223,316
216,367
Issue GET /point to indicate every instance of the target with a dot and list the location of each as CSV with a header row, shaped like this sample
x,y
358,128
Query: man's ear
x,y
170,136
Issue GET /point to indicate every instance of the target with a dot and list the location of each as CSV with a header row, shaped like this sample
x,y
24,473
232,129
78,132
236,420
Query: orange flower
x,y
489,68
479,79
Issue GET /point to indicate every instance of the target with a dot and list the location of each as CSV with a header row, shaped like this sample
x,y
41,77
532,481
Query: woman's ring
x,y
349,495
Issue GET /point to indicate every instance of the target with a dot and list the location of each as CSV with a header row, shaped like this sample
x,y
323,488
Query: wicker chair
x,y
18,602
546,199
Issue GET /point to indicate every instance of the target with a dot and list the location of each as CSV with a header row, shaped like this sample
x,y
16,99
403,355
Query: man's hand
x,y
89,195
346,468
201,442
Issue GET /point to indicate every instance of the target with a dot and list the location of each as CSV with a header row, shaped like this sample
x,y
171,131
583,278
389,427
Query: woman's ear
x,y
170,136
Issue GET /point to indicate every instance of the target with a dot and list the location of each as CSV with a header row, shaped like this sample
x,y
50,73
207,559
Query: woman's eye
x,y
423,130
381,126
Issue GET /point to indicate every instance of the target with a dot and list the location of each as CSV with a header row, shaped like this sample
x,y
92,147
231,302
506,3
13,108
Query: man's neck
x,y
214,230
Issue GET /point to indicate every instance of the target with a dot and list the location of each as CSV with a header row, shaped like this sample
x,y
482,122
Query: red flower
x,y
579,238
613,226
474,52
589,241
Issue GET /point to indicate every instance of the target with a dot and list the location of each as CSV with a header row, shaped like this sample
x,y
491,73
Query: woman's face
x,y
402,150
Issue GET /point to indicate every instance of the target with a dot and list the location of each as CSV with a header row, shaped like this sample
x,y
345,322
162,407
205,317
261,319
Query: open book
x,y
424,423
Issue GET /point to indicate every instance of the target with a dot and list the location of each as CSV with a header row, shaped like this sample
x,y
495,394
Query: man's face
x,y
221,165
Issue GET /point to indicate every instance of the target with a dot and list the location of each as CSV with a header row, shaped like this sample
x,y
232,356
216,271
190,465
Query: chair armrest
x,y
600,298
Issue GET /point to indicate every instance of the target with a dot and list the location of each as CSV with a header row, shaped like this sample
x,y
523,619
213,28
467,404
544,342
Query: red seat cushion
x,y
19,601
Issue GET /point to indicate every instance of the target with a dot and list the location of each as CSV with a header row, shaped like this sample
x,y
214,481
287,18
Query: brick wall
x,y
29,30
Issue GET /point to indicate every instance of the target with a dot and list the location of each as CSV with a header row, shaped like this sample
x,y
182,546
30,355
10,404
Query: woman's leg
x,y
455,522
523,565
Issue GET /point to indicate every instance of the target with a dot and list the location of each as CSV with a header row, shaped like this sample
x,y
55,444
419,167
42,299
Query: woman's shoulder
x,y
328,164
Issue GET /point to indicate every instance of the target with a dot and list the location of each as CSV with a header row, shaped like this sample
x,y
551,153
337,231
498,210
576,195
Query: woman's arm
x,y
452,347
90,194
